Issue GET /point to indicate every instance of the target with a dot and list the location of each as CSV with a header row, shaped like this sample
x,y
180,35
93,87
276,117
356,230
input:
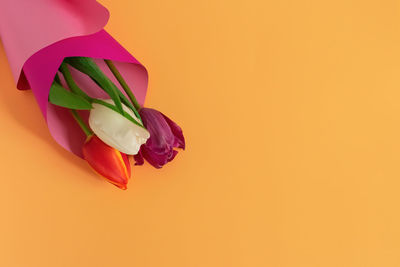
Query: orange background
x,y
291,110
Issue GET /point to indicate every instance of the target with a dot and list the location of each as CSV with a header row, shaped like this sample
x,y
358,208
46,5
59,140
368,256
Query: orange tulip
x,y
107,161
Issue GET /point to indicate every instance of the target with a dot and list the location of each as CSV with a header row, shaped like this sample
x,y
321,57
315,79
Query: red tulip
x,y
107,161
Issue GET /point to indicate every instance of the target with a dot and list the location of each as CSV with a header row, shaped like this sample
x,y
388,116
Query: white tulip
x,y
115,130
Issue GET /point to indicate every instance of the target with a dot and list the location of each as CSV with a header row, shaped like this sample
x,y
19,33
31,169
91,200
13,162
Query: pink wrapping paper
x,y
38,34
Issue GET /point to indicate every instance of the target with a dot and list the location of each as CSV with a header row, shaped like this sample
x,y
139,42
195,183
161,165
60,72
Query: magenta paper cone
x,y
38,34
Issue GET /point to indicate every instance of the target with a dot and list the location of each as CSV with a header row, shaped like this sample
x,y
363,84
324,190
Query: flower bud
x,y
107,161
115,130
165,135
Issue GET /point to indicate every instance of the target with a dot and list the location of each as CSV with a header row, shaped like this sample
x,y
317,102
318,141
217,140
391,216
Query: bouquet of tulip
x,y
88,87
119,126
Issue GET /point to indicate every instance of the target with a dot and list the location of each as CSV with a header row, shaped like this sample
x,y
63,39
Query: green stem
x,y
81,123
112,107
122,82
90,68
71,83
77,90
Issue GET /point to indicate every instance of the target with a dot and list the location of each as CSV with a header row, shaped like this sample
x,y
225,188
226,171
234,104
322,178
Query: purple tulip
x,y
165,135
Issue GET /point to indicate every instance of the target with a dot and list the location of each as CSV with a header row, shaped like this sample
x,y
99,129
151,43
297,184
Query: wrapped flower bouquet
x,y
89,88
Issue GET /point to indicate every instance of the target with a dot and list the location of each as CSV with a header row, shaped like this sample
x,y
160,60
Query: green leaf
x,y
89,67
110,106
71,83
59,96
135,104
125,101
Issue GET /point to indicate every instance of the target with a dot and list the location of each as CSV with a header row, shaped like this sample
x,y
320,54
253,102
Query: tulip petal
x,y
155,160
165,135
158,160
172,156
139,158
107,161
127,163
177,131
161,137
115,130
